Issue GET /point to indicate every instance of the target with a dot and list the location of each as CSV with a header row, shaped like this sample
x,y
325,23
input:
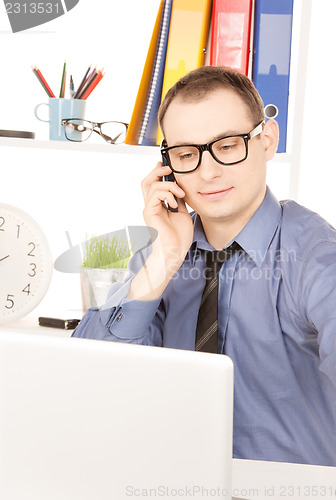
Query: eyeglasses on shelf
x,y
78,130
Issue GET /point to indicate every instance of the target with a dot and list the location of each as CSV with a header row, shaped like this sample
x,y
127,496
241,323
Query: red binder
x,y
230,34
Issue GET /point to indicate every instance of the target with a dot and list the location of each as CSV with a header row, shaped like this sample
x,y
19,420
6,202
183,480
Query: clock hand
x,y
3,258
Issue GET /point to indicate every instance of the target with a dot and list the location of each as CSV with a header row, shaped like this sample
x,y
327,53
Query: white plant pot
x,y
96,283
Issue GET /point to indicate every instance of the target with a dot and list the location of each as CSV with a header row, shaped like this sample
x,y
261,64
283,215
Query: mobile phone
x,y
169,177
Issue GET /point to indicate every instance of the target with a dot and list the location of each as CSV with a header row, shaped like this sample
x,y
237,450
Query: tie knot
x,y
216,258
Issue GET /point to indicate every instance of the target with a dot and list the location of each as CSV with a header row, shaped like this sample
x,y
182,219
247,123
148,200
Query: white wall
x,y
98,192
318,167
112,34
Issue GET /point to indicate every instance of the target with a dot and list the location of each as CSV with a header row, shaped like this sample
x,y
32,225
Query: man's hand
x,y
175,233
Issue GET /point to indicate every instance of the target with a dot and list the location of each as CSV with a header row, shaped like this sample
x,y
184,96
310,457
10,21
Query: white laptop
x,y
93,420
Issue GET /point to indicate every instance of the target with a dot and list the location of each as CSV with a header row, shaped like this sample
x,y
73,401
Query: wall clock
x,y
25,263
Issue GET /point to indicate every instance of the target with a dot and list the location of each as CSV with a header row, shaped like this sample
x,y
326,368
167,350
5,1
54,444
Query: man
x,y
277,282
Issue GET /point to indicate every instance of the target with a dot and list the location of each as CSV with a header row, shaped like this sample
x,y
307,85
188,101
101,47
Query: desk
x,y
29,324
254,479
251,479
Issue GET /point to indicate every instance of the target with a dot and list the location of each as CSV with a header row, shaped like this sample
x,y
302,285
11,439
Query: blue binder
x,y
271,59
149,127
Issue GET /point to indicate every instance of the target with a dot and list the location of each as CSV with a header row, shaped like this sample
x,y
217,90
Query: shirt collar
x,y
254,238
199,241
258,233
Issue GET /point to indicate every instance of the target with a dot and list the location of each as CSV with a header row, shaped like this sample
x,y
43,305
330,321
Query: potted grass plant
x,y
105,260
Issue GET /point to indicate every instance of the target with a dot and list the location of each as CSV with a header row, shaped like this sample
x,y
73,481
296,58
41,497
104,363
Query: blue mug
x,y
59,109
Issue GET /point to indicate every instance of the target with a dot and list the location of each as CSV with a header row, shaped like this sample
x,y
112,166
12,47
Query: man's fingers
x,y
159,187
154,176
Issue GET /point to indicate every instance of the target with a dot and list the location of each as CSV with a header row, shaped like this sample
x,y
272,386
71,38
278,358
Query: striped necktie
x,y
207,322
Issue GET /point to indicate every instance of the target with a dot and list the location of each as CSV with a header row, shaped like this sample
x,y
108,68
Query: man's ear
x,y
270,138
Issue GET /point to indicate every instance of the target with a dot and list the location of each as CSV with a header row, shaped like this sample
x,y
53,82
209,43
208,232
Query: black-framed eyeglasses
x,y
78,130
229,150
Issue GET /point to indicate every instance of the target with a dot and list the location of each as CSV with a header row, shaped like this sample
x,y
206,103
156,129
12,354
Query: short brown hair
x,y
202,81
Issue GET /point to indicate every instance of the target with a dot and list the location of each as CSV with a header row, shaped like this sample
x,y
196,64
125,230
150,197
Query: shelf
x,y
79,146
102,148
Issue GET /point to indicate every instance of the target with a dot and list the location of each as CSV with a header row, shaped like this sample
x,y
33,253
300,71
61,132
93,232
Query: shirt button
x,y
121,315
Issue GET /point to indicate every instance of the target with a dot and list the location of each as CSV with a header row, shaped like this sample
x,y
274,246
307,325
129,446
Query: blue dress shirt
x,y
276,320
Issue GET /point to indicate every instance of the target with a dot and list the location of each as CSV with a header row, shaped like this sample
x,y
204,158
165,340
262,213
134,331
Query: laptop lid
x,y
92,420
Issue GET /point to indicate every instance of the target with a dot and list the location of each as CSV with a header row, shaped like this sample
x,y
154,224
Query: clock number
x,y
33,248
18,231
2,221
27,289
33,270
11,302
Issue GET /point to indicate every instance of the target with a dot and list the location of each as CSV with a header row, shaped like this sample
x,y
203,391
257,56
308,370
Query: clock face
x,y
25,264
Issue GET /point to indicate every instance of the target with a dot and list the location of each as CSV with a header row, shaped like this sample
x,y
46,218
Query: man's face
x,y
218,192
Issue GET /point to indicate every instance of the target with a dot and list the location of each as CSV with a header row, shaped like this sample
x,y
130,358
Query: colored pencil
x,y
88,82
62,89
43,82
72,87
82,82
93,85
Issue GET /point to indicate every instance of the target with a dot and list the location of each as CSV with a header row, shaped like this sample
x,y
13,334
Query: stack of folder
x,y
141,126
177,46
181,39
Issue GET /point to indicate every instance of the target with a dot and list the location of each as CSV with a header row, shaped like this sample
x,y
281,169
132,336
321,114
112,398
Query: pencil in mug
x,y
94,85
88,82
82,83
72,87
42,81
62,89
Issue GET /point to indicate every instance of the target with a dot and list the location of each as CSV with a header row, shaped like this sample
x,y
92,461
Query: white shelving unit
x,y
123,149
79,146
298,77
